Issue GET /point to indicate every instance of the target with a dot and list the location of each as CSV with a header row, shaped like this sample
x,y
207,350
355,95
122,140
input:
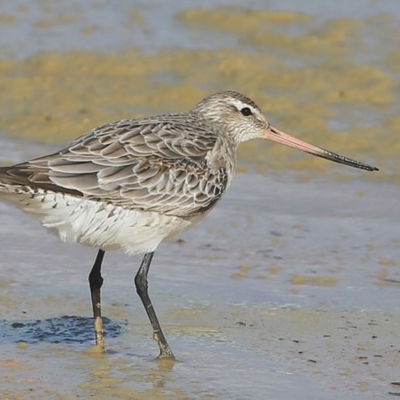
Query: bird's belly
x,y
99,224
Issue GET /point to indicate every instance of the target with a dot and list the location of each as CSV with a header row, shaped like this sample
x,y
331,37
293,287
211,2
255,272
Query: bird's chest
x,y
222,162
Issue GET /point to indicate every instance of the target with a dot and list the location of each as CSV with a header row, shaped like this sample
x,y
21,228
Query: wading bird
x,y
133,183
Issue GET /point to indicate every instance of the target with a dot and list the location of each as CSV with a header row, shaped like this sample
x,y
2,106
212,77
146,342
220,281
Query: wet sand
x,y
286,290
290,288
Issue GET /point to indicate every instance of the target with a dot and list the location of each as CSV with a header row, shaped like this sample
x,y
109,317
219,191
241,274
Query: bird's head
x,y
240,119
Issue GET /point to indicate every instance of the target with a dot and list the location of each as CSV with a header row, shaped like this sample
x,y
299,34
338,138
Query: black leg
x,y
95,282
141,288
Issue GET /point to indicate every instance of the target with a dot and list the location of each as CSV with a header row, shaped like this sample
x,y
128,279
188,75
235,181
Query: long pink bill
x,y
277,136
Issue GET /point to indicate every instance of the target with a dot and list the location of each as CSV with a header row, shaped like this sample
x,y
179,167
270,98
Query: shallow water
x,y
294,299
289,289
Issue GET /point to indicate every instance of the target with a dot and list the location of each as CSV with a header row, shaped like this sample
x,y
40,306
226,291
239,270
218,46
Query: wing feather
x,y
156,164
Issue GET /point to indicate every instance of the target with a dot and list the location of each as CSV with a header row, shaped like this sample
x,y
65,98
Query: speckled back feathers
x,y
177,164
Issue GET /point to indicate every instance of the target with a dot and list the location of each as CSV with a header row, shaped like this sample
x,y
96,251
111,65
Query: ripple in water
x,y
65,329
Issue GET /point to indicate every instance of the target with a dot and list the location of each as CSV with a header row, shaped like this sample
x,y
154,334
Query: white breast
x,y
98,224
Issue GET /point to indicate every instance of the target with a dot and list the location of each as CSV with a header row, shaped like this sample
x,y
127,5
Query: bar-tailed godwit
x,y
133,183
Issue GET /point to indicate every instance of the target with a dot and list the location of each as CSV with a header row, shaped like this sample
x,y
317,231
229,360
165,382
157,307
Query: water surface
x,y
289,289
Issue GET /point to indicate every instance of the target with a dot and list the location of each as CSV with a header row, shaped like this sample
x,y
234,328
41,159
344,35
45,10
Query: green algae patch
x,y
239,20
308,78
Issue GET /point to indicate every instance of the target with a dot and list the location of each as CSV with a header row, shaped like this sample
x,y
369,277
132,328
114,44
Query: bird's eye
x,y
246,111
